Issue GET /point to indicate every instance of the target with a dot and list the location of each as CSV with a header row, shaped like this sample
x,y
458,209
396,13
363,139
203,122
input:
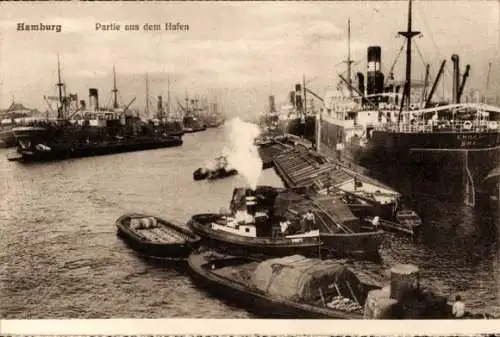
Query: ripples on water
x,y
60,256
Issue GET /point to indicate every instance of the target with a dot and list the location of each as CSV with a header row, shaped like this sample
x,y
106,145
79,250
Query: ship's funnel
x,y
82,105
298,97
250,201
456,76
375,78
361,83
292,98
272,104
93,98
160,105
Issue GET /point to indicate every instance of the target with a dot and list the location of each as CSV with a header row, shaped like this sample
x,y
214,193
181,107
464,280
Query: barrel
x,y
404,279
379,305
134,223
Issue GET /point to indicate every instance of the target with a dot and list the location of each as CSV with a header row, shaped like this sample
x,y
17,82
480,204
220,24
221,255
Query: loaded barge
x,y
299,287
312,173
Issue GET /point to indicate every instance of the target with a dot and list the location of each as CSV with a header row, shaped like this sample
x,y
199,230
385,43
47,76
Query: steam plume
x,y
241,152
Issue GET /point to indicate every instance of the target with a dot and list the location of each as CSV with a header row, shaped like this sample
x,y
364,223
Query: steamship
x,y
165,121
293,118
81,131
443,147
215,117
193,119
8,119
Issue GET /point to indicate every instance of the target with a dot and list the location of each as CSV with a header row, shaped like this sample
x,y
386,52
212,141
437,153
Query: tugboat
x,y
444,148
217,170
88,132
342,233
250,228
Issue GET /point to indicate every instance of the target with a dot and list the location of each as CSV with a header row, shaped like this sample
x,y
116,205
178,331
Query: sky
x,y
236,52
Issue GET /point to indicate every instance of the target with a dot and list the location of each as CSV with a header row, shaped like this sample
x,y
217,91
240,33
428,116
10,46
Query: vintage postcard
x,y
241,167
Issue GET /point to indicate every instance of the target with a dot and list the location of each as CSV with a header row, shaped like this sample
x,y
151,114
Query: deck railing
x,y
455,127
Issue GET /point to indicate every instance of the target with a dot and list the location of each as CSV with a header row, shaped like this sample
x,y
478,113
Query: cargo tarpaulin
x,y
302,279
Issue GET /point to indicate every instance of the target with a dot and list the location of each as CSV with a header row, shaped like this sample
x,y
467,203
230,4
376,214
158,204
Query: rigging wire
x,y
422,17
422,58
394,63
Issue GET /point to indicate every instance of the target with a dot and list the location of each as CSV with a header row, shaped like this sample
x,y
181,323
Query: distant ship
x,y
193,120
8,120
444,147
171,125
215,117
165,121
293,117
87,131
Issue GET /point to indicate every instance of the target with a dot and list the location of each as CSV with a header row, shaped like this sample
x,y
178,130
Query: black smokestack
x,y
456,76
375,78
94,98
272,105
292,98
160,106
298,97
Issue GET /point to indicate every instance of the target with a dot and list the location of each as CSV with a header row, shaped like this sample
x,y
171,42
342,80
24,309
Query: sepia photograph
x,y
250,160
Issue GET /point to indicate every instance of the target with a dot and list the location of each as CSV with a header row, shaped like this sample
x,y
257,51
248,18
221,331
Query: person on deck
x,y
458,309
309,221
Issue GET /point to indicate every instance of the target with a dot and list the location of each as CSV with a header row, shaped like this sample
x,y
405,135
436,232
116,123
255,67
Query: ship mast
x,y
349,61
115,91
487,83
168,96
147,95
60,112
408,34
304,103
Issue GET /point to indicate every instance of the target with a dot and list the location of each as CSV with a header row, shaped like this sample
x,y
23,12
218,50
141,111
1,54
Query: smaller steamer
x,y
155,237
218,169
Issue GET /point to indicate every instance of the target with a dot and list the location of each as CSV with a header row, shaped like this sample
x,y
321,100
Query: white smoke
x,y
210,165
241,152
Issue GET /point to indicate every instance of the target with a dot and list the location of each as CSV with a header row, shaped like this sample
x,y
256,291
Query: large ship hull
x,y
7,138
37,144
174,128
452,165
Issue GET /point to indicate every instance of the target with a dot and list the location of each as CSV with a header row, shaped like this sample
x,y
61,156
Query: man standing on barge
x,y
309,221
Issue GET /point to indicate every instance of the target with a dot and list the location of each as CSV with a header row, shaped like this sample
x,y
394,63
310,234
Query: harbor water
x,y
60,256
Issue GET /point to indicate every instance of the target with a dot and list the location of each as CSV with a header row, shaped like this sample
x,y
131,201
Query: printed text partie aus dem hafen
x,y
145,27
